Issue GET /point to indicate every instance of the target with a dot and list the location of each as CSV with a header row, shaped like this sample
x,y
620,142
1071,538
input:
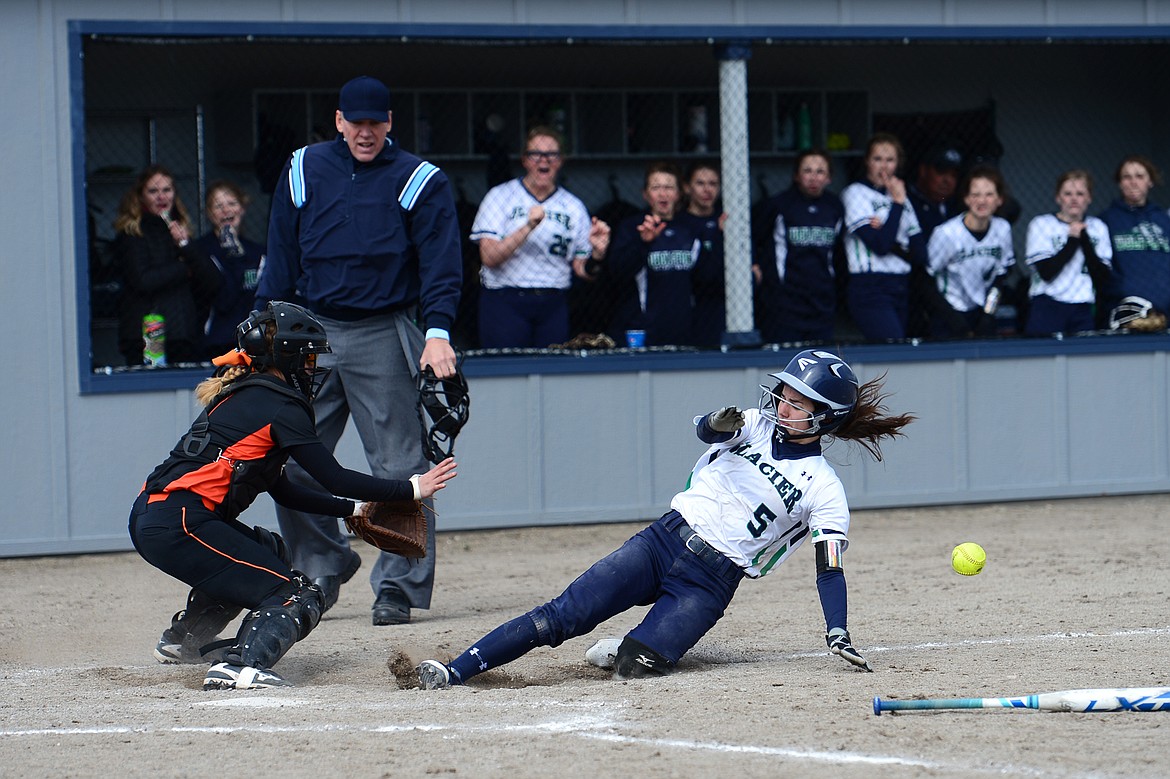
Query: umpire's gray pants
x,y
375,365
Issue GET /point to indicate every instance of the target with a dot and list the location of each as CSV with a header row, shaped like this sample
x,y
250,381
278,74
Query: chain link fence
x,y
851,241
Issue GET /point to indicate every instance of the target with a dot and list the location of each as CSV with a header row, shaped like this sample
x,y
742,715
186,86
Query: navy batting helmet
x,y
820,376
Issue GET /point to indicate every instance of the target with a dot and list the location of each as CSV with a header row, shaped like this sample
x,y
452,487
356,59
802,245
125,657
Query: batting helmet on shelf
x,y
444,406
821,376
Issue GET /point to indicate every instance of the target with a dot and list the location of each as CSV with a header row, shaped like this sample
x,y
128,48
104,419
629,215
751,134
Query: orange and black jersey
x,y
238,446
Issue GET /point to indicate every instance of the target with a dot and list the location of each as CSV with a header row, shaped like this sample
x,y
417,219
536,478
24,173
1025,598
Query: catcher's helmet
x,y
444,406
821,376
297,339
1130,310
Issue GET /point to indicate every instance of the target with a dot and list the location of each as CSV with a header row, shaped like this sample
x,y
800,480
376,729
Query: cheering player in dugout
x,y
258,414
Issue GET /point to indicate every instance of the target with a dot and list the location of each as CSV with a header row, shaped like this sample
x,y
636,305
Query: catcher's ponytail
x,y
211,387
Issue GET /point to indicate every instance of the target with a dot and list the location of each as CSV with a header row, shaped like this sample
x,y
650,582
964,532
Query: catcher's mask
x,y
443,408
1129,310
297,339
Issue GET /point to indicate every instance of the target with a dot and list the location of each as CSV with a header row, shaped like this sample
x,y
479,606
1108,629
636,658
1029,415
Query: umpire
x,y
365,235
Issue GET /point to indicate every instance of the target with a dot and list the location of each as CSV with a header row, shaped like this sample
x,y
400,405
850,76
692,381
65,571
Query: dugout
x,y
110,90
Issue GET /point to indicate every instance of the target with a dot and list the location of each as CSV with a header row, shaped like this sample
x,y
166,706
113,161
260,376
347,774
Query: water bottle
x,y
696,138
785,132
154,341
992,301
557,117
804,128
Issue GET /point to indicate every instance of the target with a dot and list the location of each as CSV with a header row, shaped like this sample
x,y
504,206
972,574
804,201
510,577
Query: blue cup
x,y
635,339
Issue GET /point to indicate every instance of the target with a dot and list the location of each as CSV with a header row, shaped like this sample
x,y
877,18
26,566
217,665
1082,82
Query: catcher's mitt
x,y
398,526
1153,322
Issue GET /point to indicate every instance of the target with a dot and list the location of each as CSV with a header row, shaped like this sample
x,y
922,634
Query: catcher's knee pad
x,y
635,659
284,619
200,623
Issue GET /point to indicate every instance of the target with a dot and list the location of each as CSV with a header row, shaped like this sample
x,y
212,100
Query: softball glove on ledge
x,y
395,526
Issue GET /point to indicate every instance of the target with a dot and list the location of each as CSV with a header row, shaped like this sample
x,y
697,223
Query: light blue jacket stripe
x,y
296,178
415,184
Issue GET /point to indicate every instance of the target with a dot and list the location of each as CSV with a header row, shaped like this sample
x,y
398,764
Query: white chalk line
x,y
970,642
589,727
17,674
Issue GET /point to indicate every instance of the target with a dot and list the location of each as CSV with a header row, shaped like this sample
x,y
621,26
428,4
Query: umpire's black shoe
x,y
391,608
331,585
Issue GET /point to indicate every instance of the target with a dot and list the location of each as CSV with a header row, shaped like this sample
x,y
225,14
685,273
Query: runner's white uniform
x,y
1047,235
966,268
756,509
861,203
544,259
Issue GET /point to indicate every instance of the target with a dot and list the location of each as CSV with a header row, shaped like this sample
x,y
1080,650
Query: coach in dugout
x,y
365,234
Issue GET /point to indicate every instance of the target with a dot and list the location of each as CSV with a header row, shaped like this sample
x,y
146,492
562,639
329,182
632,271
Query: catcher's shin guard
x,y
193,628
284,619
635,659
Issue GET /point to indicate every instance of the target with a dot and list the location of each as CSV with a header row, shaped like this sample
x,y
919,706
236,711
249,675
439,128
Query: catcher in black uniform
x,y
257,415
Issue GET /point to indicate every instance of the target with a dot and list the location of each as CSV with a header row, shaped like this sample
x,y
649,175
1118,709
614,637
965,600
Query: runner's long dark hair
x,y
869,422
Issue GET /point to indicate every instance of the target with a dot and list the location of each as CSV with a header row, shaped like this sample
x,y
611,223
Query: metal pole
x,y
733,142
201,167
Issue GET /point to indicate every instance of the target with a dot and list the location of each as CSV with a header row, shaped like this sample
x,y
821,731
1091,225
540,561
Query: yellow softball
x,y
968,559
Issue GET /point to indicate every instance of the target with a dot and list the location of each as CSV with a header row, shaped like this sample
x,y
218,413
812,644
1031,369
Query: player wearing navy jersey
x,y
533,237
934,193
701,186
761,490
238,261
970,255
658,252
934,196
1140,231
1070,256
185,521
883,241
794,259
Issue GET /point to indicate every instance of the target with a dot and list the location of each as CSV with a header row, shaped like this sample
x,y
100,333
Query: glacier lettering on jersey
x,y
1147,236
812,236
521,212
788,492
672,260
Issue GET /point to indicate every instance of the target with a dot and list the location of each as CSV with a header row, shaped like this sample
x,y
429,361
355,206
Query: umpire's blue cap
x,y
365,97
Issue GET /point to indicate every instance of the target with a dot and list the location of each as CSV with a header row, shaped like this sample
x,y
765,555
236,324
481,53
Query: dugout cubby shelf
x,y
601,124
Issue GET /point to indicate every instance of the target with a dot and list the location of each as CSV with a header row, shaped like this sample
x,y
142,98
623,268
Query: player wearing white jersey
x,y
883,241
533,237
1070,256
970,255
762,488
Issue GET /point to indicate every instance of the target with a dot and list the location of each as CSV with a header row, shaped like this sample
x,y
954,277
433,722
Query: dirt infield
x,y
1074,596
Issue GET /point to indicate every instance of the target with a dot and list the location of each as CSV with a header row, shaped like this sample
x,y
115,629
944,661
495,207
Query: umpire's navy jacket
x,y
352,239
